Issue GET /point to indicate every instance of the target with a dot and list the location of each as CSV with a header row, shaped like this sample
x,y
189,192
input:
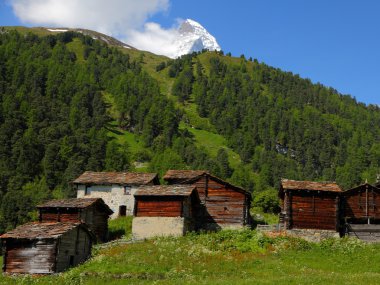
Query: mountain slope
x,y
242,120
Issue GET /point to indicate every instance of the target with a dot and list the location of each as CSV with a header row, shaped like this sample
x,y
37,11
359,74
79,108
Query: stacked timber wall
x,y
165,207
314,211
74,247
29,256
225,208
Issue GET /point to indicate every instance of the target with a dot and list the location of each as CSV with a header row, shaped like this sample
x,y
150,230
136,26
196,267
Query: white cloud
x,y
155,39
124,19
113,17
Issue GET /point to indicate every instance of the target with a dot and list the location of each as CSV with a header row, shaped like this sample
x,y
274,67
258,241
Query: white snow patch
x,y
58,30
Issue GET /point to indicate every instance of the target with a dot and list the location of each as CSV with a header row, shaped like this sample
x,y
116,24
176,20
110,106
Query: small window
x,y
87,191
127,190
122,211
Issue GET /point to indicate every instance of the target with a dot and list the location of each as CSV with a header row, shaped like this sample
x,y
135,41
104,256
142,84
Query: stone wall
x,y
217,227
148,227
312,234
113,195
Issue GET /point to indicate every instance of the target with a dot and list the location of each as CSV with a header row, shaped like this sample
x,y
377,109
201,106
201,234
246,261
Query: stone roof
x,y
36,230
165,190
183,174
123,178
310,185
190,176
79,203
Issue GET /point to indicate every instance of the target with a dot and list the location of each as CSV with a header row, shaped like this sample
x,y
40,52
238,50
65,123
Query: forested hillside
x,y
280,124
70,103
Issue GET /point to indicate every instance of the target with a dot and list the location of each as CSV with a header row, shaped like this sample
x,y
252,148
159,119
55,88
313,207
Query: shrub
x,y
268,201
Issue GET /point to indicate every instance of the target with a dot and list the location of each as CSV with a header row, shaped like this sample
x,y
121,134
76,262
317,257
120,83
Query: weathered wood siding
x,y
96,220
159,207
220,204
74,247
224,205
312,210
202,186
368,233
25,256
52,215
360,204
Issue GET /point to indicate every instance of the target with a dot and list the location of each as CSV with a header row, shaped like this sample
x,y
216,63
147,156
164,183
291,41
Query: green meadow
x,y
227,257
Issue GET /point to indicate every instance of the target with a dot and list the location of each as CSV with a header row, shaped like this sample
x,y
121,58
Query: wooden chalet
x,y
223,205
92,211
115,188
163,210
310,205
44,248
360,212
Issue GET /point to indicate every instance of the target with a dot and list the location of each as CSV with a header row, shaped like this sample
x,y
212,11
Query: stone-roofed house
x,y
310,205
223,205
45,248
115,188
92,211
164,210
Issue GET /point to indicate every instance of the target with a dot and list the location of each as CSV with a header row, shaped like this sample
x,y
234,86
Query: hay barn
x,y
45,248
92,211
164,210
310,205
360,212
223,205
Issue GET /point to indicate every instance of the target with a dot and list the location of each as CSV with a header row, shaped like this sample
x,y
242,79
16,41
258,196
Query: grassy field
x,y
227,257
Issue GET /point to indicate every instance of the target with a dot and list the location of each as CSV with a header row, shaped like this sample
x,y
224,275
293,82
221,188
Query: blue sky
x,y
334,42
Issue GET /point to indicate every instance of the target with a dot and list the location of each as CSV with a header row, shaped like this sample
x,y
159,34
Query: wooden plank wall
x,y
34,257
368,233
224,205
313,210
76,245
201,187
97,222
355,205
61,215
93,216
158,206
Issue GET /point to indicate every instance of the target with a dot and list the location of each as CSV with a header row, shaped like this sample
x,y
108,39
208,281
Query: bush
x,y
268,201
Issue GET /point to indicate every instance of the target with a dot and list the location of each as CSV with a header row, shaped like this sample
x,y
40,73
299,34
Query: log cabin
x,y
310,205
360,212
115,188
92,211
164,210
223,205
45,248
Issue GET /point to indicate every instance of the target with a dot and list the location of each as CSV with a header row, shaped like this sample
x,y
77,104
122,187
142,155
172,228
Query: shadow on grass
x,y
120,227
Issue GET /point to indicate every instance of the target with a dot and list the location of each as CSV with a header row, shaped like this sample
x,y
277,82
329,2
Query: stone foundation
x,y
312,235
148,227
217,227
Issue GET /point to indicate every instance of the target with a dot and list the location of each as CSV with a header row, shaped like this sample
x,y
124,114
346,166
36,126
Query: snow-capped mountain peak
x,y
192,36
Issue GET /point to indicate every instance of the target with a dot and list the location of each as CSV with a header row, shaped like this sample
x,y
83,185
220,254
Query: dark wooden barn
x,y
360,212
164,210
223,205
44,248
92,211
310,205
